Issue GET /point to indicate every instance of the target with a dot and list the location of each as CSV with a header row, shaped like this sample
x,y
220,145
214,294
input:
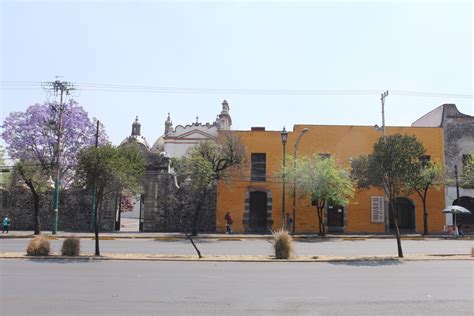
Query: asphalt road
x,y
30,287
335,247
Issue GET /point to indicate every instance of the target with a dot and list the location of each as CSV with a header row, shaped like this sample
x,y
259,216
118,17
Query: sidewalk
x,y
219,236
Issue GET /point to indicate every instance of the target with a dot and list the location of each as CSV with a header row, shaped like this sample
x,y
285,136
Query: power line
x,y
102,87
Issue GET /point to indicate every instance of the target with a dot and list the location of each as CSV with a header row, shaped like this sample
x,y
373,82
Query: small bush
x,y
283,244
38,246
71,246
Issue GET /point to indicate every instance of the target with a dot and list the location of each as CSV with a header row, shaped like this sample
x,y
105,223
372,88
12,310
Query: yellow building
x,y
253,194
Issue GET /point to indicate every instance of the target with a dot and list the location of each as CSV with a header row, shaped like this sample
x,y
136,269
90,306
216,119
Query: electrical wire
x,y
124,88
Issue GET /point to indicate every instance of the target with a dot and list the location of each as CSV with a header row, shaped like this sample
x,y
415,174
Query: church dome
x,y
159,145
136,136
136,139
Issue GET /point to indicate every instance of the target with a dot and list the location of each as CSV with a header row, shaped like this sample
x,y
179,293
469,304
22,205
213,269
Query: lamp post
x,y
284,138
303,131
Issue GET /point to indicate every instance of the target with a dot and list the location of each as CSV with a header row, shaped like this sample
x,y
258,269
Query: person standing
x,y
289,222
6,224
229,221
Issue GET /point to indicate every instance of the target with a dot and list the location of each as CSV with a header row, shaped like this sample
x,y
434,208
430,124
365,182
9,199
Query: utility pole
x,y
382,98
61,88
94,208
386,203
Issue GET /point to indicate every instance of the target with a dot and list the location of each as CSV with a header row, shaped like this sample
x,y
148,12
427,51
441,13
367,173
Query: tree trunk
x,y
425,214
192,242
322,230
397,231
37,216
36,219
97,222
197,212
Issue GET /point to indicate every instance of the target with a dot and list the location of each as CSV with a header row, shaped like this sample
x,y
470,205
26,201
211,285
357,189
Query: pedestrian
x,y
289,222
6,224
460,231
229,221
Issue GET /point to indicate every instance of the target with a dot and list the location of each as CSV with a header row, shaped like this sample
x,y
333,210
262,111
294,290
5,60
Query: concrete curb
x,y
223,237
183,258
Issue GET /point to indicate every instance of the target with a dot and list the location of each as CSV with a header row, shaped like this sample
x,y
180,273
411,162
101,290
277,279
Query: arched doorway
x,y
405,214
465,220
257,211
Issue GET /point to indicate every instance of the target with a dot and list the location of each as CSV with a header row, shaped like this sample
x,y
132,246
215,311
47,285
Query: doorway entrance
x,y
406,214
465,220
258,211
335,216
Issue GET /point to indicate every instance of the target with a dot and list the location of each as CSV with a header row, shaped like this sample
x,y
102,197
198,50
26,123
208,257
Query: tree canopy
x,y
109,170
429,174
393,166
322,180
203,165
467,177
32,136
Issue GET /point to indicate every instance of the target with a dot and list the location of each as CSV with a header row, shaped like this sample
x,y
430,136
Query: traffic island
x,y
211,258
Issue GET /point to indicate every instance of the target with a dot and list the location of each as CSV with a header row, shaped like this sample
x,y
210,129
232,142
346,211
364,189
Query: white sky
x,y
397,45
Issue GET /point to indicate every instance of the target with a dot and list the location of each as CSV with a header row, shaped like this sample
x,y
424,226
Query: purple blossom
x,y
32,136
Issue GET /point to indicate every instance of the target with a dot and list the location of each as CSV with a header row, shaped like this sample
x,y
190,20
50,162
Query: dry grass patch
x,y
71,246
283,244
38,246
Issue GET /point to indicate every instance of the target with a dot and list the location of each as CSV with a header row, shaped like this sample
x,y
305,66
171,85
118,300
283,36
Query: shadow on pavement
x,y
368,263
61,261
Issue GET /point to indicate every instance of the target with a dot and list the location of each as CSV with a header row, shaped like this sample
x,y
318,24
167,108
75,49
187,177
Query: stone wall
x,y
458,137
74,211
159,187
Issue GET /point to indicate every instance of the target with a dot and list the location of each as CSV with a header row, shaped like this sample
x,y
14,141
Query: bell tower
x,y
168,125
136,126
224,121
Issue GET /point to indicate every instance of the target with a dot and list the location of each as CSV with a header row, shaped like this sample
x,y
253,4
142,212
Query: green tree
x,y
206,163
467,177
322,180
4,171
429,174
110,170
392,166
36,179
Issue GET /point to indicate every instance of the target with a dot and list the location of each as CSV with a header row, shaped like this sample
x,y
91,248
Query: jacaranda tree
x,y
32,136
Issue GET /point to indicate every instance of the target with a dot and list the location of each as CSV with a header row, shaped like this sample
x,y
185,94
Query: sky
x,y
277,63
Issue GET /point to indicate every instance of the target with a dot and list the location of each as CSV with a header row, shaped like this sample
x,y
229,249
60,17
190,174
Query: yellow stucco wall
x,y
343,143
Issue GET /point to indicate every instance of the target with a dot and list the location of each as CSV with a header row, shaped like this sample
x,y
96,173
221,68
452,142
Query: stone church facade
x,y
159,180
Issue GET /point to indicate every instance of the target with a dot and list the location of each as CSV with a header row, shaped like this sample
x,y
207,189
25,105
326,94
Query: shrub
x,y
38,246
71,246
283,244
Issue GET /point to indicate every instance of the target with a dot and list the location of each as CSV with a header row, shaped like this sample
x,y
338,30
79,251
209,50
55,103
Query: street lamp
x,y
303,131
284,139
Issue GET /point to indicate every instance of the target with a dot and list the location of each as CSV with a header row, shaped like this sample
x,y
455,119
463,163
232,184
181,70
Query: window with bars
x,y
259,167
